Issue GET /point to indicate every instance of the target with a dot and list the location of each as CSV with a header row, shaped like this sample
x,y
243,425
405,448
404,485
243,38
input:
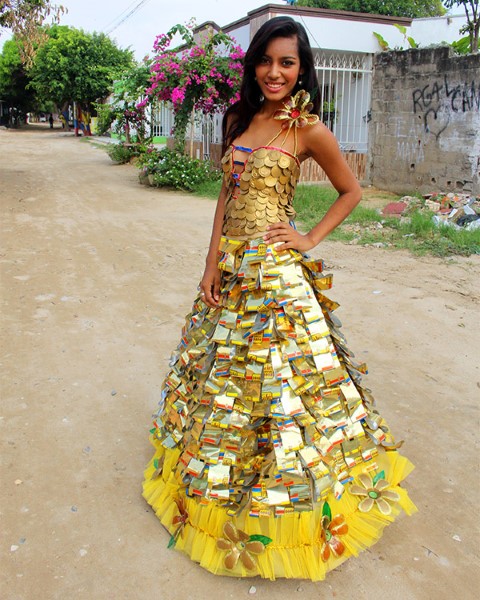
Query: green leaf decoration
x,y
260,538
327,511
412,42
401,28
378,476
152,430
172,541
155,463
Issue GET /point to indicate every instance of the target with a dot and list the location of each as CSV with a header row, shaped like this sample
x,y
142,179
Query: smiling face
x,y
279,68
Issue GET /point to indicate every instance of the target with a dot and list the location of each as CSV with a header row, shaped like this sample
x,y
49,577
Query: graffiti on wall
x,y
410,142
436,103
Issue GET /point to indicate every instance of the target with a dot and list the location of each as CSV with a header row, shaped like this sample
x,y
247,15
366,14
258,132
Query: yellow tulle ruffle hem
x,y
304,545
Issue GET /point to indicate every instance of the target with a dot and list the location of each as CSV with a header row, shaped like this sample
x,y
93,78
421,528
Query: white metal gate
x,y
162,119
208,130
345,86
345,83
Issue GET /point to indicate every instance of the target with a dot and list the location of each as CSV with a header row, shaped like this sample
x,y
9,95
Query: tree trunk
x,y
192,129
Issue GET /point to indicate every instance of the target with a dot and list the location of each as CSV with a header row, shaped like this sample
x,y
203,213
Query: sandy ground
x,y
97,275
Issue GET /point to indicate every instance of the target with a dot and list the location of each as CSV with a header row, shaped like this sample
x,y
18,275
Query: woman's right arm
x,y
210,284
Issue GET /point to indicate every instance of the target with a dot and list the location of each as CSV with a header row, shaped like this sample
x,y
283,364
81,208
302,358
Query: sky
x,y
152,17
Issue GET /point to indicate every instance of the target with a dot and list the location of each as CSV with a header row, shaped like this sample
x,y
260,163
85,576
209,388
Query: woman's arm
x,y
321,145
210,284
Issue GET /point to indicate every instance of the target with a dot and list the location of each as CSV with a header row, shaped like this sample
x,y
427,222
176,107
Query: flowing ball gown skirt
x,y
271,458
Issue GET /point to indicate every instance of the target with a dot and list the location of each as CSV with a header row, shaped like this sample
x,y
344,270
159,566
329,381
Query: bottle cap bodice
x,y
261,193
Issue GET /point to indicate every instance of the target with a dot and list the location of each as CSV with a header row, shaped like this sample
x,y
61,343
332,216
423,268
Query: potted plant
x,y
329,112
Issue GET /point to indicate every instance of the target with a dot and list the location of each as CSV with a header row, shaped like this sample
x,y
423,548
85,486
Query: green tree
x,y
76,66
472,27
14,80
25,18
123,113
395,8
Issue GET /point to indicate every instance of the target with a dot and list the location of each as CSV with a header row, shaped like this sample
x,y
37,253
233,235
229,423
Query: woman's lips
x,y
274,87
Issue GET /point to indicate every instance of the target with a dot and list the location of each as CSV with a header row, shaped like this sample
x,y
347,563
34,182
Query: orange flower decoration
x,y
295,111
240,545
182,517
331,529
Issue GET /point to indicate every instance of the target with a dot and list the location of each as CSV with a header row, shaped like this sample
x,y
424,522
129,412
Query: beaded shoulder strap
x,y
295,114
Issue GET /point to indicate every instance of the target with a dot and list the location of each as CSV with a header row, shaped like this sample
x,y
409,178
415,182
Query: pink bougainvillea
x,y
204,76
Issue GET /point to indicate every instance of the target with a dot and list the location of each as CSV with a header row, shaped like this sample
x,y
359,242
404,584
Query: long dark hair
x,y
239,116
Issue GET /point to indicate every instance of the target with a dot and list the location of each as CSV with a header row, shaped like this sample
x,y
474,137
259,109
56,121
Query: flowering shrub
x,y
174,169
149,160
203,76
121,153
123,115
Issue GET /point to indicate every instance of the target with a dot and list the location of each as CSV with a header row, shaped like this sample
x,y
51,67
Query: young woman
x,y
270,459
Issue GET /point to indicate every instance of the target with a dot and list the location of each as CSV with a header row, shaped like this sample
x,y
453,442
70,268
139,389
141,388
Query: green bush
x,y
172,169
105,118
149,159
121,153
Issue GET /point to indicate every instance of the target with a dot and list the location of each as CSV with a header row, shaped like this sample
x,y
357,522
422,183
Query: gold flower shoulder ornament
x,y
296,111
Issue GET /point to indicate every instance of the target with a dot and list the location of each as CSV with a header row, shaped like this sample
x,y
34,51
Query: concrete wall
x,y
425,129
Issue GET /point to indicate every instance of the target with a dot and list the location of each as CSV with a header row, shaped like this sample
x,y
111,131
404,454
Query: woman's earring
x,y
300,81
262,97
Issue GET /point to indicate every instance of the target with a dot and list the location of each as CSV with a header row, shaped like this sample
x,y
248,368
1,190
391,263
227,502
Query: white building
x,y
343,44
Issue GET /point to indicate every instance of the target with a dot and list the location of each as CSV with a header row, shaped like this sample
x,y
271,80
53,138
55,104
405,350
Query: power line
x,y
137,7
292,3
311,34
112,21
128,15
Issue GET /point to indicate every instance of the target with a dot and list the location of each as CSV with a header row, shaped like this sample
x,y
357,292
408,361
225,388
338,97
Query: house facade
x,y
344,44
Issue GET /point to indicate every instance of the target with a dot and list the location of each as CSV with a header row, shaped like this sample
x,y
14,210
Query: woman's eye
x,y
263,60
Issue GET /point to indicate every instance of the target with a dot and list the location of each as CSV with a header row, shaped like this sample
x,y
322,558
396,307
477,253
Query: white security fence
x,y
162,119
345,86
345,82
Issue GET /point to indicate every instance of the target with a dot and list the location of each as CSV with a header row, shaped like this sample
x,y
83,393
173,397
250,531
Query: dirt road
x,y
97,275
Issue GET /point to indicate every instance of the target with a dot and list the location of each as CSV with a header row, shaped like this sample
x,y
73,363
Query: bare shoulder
x,y
319,143
317,139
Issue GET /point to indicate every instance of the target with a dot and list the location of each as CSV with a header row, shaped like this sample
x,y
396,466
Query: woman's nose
x,y
274,70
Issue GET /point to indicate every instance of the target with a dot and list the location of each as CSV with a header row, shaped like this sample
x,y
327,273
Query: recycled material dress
x,y
270,457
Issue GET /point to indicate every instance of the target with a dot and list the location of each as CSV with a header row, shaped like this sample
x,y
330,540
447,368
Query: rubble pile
x,y
461,211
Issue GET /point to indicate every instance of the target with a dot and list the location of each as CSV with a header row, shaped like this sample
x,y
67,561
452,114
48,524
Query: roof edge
x,y
324,12
205,25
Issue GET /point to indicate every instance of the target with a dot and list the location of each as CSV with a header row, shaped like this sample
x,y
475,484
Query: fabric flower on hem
x,y
331,529
375,492
296,111
240,545
157,465
180,520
